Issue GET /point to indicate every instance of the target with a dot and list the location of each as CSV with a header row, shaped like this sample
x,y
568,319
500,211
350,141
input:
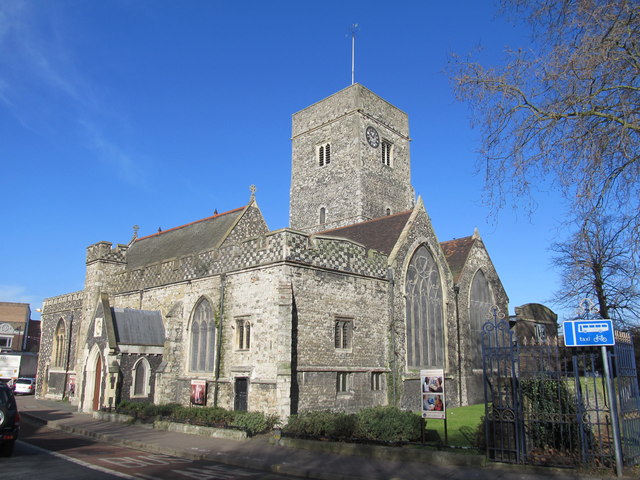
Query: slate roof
x,y
138,327
195,237
380,233
456,252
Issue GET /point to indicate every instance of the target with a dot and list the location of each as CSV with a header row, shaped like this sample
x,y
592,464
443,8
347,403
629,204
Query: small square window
x,y
5,342
343,333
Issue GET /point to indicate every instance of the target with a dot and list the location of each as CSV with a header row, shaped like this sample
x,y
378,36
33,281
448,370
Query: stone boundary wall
x,y
282,245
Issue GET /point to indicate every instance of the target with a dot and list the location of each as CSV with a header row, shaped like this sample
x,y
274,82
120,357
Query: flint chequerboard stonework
x,y
339,311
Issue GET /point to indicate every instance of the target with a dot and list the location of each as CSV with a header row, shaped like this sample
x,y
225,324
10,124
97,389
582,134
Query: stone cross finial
x,y
253,189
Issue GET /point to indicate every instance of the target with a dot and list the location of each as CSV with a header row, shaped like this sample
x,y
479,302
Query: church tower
x,y
350,161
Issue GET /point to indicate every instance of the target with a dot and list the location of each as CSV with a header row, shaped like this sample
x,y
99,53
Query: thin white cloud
x,y
41,84
112,154
15,293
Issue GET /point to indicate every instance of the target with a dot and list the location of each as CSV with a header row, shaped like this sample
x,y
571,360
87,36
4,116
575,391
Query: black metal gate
x,y
628,398
547,404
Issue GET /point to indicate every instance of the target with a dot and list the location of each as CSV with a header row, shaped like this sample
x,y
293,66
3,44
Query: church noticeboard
x,y
432,392
198,392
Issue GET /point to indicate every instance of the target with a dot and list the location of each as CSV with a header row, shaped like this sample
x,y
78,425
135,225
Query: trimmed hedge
x,y
251,422
385,424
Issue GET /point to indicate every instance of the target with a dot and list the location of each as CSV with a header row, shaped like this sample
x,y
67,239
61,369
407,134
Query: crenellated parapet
x,y
61,303
275,247
103,251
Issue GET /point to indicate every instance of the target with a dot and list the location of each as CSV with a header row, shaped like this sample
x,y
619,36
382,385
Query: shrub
x,y
203,415
254,422
322,424
551,409
388,424
251,422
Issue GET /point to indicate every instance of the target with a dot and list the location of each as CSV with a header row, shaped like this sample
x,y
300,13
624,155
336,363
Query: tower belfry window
x,y
324,154
386,148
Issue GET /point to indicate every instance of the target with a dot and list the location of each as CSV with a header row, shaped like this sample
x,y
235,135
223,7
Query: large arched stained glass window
x,y
480,302
203,338
425,336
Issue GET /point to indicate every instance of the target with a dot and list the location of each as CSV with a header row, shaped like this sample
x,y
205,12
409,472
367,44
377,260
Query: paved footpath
x,y
262,453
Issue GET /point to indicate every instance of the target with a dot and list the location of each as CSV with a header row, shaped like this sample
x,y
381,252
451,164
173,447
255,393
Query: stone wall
x,y
52,379
320,299
275,247
355,186
127,363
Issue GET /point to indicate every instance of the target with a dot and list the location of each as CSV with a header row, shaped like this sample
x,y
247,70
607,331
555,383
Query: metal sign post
x,y
598,333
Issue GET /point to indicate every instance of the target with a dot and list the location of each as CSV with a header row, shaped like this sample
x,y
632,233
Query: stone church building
x,y
339,311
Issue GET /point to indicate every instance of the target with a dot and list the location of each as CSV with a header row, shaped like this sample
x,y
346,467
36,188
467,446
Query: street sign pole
x,y
598,333
614,412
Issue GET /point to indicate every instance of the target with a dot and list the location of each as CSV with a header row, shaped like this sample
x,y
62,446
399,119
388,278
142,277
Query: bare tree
x,y
600,262
566,109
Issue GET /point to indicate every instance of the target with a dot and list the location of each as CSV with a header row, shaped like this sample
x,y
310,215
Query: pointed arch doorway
x,y
93,380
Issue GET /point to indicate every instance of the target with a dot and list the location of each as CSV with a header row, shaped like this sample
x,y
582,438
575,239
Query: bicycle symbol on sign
x,y
599,338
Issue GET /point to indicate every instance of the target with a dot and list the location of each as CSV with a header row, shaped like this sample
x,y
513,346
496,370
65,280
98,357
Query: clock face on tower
x,y
372,137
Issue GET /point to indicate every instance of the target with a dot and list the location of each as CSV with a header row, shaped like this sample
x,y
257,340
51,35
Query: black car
x,y
9,421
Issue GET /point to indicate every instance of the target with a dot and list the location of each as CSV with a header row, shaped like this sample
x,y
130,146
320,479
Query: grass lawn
x,y
462,424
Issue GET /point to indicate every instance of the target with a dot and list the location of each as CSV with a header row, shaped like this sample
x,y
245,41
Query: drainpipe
x,y
223,279
456,291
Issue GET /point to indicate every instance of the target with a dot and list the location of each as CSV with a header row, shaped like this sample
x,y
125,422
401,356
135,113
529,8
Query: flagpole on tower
x,y
354,29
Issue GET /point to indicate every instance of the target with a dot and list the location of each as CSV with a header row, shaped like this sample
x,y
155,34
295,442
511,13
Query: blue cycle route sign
x,y
588,333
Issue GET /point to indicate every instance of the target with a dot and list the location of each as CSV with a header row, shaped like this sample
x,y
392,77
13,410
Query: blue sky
x,y
156,113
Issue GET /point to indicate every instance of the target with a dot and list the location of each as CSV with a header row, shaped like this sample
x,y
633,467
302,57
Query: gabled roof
x,y
138,327
379,234
195,237
456,252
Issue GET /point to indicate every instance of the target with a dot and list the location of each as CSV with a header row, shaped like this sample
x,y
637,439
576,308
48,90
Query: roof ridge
x,y
457,239
366,221
191,223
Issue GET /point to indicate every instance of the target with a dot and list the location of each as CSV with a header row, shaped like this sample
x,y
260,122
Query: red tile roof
x,y
379,234
456,252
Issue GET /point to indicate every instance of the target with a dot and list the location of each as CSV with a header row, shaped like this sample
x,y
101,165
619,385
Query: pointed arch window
x,y
141,375
243,334
203,338
424,314
59,345
480,302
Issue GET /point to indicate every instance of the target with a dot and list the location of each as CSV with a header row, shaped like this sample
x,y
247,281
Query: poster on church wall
x,y
432,391
198,392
